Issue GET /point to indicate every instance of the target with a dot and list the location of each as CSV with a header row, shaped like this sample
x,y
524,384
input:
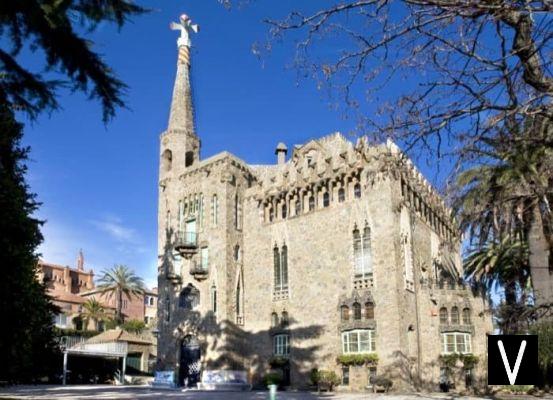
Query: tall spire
x,y
181,117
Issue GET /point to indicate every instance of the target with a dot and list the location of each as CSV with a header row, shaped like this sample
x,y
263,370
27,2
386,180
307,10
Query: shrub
x,y
314,376
273,378
328,378
278,361
519,389
357,359
382,382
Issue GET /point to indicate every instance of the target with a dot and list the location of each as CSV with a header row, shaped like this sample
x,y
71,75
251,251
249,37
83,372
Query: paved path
x,y
85,392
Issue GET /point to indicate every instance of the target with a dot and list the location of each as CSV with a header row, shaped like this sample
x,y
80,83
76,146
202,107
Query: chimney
x,y
80,260
281,151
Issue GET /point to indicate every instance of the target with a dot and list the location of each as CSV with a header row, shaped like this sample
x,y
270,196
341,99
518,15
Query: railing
x,y
80,345
199,271
187,238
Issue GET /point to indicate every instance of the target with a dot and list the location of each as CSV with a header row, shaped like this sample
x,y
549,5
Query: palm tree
x,y
120,281
93,310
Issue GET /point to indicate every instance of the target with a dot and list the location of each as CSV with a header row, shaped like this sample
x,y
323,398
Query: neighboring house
x,y
343,249
65,284
141,307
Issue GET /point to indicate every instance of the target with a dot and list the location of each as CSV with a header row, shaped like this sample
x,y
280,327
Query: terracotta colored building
x,y
65,284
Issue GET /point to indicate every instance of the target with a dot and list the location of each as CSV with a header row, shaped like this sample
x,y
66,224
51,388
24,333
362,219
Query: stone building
x,y
340,253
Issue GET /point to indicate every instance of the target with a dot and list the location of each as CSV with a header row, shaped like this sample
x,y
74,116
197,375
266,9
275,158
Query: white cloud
x,y
114,227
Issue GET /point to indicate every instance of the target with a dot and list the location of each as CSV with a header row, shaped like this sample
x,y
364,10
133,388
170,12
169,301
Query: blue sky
x,y
98,184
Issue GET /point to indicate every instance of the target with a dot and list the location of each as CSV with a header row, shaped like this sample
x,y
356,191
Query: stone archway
x,y
190,365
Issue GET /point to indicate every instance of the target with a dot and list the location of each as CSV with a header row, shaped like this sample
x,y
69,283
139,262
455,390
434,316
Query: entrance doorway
x,y
189,371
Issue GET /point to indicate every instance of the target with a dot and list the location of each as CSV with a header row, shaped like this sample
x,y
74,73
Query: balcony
x,y
186,243
199,272
173,277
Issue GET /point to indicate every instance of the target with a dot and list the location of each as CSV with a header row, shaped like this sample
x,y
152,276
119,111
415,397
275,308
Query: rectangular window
x,y
281,268
358,341
362,252
214,210
205,258
201,210
281,345
456,342
345,375
214,299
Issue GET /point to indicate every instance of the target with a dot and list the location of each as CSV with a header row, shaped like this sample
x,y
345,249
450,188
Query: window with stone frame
x,y
369,310
281,345
444,317
167,308
456,342
214,299
358,341
284,319
204,258
201,211
341,195
357,190
238,305
356,310
280,268
344,313
345,375
214,210
311,203
326,199
362,252
238,213
466,316
274,319
454,316
284,211
298,207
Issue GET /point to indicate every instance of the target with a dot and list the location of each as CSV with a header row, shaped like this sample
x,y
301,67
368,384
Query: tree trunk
x,y
542,279
119,306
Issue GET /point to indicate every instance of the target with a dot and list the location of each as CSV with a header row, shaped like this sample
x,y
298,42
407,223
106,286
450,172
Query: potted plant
x,y
272,380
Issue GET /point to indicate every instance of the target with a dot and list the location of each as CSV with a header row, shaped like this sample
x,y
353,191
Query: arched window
x,y
356,311
214,299
214,210
311,203
369,310
341,195
466,316
189,297
188,158
326,199
454,316
344,312
274,319
167,160
357,190
298,207
284,318
167,308
284,211
271,214
281,268
444,318
238,299
362,252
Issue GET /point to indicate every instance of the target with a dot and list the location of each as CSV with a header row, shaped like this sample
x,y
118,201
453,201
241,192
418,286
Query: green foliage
x,y
93,311
74,332
28,334
134,326
544,330
519,389
469,360
278,361
327,378
53,27
120,281
272,378
450,360
382,382
314,376
357,359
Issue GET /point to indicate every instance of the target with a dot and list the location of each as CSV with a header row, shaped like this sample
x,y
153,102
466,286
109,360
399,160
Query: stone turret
x,y
180,146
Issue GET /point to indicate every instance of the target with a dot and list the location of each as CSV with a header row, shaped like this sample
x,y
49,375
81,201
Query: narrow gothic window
x,y
204,258
369,310
284,319
181,216
466,316
271,214
298,207
237,253
281,268
341,195
201,209
214,210
356,311
454,316
362,252
357,190
311,203
167,160
238,299
444,318
189,297
344,312
167,308
188,158
284,212
274,319
326,199
214,299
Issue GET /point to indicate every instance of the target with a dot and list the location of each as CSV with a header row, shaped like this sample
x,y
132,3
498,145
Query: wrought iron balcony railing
x,y
186,243
199,271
